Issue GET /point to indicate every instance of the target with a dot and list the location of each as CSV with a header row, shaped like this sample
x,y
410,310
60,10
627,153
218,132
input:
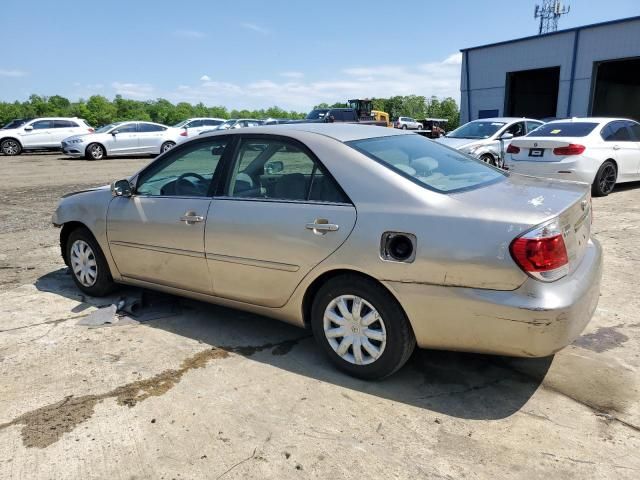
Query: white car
x,y
409,123
39,133
192,127
598,151
121,138
488,138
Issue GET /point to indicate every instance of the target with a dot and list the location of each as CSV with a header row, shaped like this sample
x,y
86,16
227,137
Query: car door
x,y
150,137
37,134
624,149
635,135
124,140
280,214
157,234
63,129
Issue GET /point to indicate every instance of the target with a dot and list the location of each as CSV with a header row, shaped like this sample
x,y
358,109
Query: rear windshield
x,y
564,129
427,163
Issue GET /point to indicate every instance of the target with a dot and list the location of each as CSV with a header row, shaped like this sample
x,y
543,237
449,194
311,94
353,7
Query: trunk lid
x,y
540,149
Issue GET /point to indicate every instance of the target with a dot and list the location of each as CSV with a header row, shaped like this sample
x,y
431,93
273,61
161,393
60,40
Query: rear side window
x,y
64,124
564,129
150,127
427,163
616,132
211,123
635,131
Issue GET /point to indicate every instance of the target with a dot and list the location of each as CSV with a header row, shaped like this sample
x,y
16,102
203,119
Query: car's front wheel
x,y
95,151
605,179
167,146
361,327
10,147
89,268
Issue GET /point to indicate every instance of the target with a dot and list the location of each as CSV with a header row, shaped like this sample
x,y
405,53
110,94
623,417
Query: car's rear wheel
x,y
361,327
95,151
605,179
404,127
89,268
10,147
167,146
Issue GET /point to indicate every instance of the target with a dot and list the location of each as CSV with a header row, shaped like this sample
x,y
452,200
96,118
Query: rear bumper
x,y
535,320
577,169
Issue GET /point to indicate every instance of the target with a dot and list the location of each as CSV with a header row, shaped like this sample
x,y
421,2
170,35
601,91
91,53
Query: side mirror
x,y
274,167
28,128
506,136
121,188
114,132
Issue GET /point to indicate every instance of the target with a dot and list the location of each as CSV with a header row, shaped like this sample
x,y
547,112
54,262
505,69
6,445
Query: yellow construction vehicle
x,y
363,108
381,117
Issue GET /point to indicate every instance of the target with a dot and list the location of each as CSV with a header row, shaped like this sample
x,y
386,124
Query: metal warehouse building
x,y
592,70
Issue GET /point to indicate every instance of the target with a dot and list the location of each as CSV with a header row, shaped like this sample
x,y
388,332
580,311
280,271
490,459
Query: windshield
x,y
317,114
564,129
477,129
15,123
427,163
106,128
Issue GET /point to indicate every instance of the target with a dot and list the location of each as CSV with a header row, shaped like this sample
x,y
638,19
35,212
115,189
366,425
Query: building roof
x,y
559,32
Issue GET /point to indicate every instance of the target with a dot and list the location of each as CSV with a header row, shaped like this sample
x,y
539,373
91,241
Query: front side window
x,y
187,172
279,170
517,129
477,129
211,123
42,124
427,163
127,128
195,124
635,131
531,126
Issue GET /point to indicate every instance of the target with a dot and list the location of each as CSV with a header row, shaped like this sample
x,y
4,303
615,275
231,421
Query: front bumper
x,y
535,320
73,149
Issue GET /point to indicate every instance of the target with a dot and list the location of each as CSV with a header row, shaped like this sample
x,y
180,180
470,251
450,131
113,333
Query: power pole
x,y
549,13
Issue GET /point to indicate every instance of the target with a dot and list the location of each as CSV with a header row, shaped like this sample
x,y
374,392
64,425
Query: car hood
x,y
305,120
81,136
458,143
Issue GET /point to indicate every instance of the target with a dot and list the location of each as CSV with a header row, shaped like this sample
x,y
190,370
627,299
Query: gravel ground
x,y
209,392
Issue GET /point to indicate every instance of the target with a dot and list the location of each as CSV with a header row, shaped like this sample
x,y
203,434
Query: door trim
x,y
153,248
253,262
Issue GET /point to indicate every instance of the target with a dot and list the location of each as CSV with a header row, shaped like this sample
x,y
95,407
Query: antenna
x,y
549,13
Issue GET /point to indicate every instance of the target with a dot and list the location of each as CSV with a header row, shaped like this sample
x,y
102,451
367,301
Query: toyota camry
x,y
377,240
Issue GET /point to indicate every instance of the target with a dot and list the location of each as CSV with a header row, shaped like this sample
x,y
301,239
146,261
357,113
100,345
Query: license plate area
x,y
536,152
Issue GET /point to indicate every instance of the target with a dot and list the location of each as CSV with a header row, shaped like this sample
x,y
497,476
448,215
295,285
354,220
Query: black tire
x,y
400,340
605,180
95,151
167,146
404,127
488,158
103,284
11,147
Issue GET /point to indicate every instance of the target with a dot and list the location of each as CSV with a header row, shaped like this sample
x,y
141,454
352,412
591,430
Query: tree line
x,y
99,110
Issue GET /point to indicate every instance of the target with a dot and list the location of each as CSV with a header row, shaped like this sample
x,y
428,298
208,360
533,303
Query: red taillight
x,y
572,149
513,149
184,133
91,130
542,253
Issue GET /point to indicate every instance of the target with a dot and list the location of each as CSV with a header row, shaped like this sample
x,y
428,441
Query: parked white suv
x,y
407,123
40,133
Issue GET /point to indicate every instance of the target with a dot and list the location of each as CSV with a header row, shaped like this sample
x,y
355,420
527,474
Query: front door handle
x,y
190,218
616,147
321,226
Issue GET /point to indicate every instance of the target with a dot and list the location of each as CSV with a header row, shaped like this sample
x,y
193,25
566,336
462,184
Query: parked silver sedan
x,y
122,138
376,239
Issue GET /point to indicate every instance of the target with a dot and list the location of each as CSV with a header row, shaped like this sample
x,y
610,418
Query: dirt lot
x,y
208,392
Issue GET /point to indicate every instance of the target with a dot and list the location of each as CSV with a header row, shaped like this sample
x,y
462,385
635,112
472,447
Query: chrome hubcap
x,y
354,329
167,146
83,263
608,179
96,151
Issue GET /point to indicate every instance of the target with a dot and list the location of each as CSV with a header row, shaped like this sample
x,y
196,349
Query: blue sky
x,y
254,54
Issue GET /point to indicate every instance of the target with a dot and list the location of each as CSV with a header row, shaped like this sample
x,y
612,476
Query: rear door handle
x,y
191,217
616,147
321,226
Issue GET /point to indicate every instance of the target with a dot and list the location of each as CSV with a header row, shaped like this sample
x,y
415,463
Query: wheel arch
x,y
9,137
65,232
314,287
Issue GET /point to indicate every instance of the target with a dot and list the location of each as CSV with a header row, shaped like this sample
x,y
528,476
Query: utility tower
x,y
549,13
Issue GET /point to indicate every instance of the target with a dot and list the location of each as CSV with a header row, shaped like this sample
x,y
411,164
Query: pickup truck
x,y
344,115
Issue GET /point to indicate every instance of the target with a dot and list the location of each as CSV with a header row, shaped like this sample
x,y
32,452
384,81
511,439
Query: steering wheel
x,y
182,184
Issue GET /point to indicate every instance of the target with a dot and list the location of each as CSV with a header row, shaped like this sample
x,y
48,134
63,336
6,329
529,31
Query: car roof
x,y
591,120
343,132
506,119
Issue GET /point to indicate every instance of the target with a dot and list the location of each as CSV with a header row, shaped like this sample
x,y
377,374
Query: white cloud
x,y
292,74
441,79
205,78
455,59
256,28
12,73
133,90
189,34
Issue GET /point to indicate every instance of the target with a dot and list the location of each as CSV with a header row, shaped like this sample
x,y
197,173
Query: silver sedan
x,y
122,138
377,240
